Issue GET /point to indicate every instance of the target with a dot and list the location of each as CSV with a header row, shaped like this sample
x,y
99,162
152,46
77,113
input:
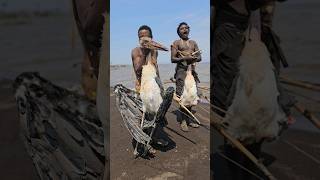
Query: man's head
x,y
144,31
183,30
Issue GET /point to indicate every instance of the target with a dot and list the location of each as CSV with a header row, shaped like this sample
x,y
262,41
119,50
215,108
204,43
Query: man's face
x,y
184,31
144,33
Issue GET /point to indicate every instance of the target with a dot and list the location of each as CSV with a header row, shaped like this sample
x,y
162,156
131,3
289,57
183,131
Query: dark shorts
x,y
228,44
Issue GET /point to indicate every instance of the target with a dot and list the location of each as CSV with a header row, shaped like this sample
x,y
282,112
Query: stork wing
x,y
130,108
61,130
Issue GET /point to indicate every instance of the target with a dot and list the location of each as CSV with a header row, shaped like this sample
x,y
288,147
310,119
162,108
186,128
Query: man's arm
x,y
155,57
136,59
198,56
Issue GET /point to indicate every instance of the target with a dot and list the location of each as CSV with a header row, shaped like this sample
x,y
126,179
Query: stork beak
x,y
158,46
150,44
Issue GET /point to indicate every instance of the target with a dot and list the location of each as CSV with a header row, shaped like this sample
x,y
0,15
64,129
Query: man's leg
x,y
182,113
190,119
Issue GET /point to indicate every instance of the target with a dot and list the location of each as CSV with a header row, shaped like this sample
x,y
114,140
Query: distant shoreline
x,y
124,65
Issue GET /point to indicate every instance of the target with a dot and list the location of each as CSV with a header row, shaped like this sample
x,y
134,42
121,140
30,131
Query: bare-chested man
x,y
181,54
139,58
139,55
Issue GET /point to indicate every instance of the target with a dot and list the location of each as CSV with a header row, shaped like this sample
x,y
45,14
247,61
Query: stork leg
x,y
147,147
135,153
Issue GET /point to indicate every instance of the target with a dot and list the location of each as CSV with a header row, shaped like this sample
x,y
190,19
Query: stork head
x,y
145,39
148,43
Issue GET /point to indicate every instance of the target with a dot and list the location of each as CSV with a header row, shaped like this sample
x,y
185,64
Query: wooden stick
x,y
178,101
299,83
313,119
244,150
204,88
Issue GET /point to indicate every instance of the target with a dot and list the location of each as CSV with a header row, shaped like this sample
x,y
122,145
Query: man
x,y
184,52
229,26
139,57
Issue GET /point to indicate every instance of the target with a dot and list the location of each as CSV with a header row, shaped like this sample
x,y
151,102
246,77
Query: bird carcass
x,y
189,96
255,112
150,92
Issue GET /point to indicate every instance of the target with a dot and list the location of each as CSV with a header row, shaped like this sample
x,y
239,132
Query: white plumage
x,y
255,112
150,92
189,96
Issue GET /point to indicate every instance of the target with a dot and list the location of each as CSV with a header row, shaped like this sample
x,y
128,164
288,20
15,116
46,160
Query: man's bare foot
x,y
184,126
152,150
194,125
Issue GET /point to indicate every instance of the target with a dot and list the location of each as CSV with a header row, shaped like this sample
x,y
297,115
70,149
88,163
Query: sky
x,y
163,16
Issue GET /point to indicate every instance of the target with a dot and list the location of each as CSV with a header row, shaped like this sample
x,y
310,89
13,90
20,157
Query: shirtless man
x,y
186,47
139,55
139,58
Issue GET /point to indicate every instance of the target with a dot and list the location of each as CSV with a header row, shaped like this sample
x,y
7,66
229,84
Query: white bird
x,y
255,112
150,94
150,91
189,96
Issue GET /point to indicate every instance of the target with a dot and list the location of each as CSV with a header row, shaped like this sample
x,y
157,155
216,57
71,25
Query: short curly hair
x,y
145,27
183,23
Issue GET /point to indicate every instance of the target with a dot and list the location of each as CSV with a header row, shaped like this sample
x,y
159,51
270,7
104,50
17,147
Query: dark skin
x,y
139,55
186,46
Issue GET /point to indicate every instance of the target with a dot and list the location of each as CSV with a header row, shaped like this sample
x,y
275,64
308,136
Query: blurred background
x,y
35,35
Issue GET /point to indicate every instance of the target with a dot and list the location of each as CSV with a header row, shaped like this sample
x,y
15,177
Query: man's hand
x,y
187,58
144,42
190,59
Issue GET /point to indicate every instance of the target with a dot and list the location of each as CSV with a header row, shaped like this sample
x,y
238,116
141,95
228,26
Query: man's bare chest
x,y
186,46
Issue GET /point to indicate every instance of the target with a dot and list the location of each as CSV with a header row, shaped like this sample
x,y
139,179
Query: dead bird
x,y
151,85
255,113
150,91
190,93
